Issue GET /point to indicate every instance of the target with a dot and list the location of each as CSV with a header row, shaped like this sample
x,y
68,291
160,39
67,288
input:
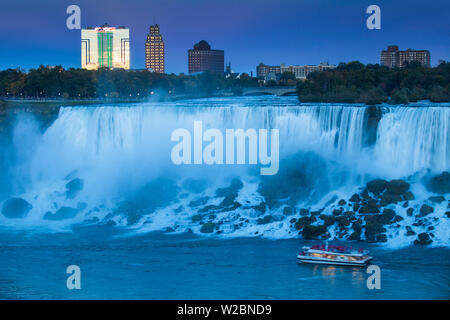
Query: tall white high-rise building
x,y
105,47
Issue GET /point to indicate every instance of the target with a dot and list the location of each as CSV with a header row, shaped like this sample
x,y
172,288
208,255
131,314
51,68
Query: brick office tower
x,y
154,50
202,58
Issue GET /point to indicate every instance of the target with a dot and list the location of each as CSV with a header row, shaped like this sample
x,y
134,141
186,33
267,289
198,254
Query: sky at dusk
x,y
294,32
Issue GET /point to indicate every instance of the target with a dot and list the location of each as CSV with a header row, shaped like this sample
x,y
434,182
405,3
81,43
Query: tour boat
x,y
337,255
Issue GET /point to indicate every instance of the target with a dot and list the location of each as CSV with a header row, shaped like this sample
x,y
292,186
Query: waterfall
x,y
412,139
119,150
133,143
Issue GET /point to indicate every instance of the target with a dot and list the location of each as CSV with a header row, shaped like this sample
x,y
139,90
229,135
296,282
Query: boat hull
x,y
334,262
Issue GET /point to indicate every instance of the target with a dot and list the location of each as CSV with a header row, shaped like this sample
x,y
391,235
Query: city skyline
x,y
250,32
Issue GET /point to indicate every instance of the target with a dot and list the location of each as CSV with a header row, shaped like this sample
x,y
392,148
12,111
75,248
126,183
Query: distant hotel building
x,y
202,58
154,50
392,57
301,72
105,47
263,70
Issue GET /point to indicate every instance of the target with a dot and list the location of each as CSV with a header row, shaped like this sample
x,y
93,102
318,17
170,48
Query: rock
x,y
408,195
342,202
426,210
423,239
437,199
410,212
377,186
314,232
302,222
381,238
93,220
234,187
448,214
430,228
405,204
355,198
338,212
208,227
261,208
316,213
356,207
373,228
197,217
388,198
228,201
343,221
331,201
74,187
169,229
368,209
409,231
208,208
199,202
418,223
388,215
235,205
304,212
355,236
16,208
265,220
349,213
293,220
357,226
62,214
110,223
366,195
397,186
398,218
372,203
327,220
440,183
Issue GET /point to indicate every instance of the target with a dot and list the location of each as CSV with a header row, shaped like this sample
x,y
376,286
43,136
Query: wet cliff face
x,y
111,165
373,114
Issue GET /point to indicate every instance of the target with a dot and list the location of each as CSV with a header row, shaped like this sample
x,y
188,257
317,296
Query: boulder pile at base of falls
x,y
368,215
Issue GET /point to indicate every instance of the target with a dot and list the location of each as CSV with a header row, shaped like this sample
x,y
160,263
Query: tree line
x,y
57,82
351,82
371,84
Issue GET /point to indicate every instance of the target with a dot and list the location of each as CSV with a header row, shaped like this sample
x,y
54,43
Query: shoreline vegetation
x,y
116,85
374,84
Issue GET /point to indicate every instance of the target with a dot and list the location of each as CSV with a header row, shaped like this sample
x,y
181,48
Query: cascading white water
x,y
412,139
118,150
